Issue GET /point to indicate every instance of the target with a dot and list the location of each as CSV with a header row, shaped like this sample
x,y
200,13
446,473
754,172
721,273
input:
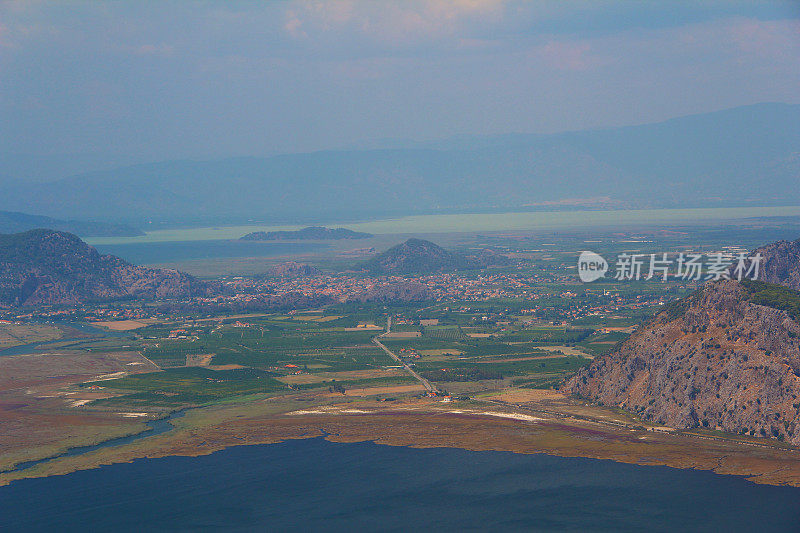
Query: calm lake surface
x,y
167,252
314,485
467,222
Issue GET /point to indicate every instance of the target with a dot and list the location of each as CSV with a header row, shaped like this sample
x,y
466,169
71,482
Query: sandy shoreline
x,y
426,426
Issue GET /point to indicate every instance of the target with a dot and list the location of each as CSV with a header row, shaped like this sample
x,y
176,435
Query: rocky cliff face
x,y
716,360
46,267
781,263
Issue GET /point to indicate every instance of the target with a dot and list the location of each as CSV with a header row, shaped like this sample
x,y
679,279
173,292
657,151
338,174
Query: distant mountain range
x,y
46,267
15,222
310,233
713,159
727,357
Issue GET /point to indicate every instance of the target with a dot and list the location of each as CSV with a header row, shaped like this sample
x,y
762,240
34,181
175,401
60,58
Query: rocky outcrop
x,y
393,291
781,263
715,360
293,269
46,267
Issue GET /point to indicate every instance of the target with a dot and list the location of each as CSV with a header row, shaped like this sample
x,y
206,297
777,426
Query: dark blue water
x,y
155,427
83,327
314,485
168,252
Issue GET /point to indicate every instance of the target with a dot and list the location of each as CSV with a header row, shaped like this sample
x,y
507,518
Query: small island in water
x,y
309,233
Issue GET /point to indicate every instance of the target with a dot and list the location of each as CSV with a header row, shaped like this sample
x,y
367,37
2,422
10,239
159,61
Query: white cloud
x,y
326,73
390,22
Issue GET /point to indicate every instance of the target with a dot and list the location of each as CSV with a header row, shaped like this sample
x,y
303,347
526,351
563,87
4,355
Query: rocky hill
x,y
418,256
45,267
310,233
781,263
293,269
393,291
727,357
415,256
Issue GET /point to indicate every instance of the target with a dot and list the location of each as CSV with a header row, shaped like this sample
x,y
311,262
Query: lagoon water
x,y
315,485
479,222
168,252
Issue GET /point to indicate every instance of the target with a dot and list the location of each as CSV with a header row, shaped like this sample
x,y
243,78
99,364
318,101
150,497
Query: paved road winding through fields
x,y
427,384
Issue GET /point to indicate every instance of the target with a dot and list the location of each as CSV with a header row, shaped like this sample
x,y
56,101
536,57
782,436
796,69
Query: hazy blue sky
x,y
161,80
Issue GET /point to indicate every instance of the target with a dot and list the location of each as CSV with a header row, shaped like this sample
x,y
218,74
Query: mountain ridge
x,y
16,222
676,163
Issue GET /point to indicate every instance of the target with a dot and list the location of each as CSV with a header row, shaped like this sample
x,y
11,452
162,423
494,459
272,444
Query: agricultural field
x,y
277,346
326,355
331,352
498,354
184,387
205,363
